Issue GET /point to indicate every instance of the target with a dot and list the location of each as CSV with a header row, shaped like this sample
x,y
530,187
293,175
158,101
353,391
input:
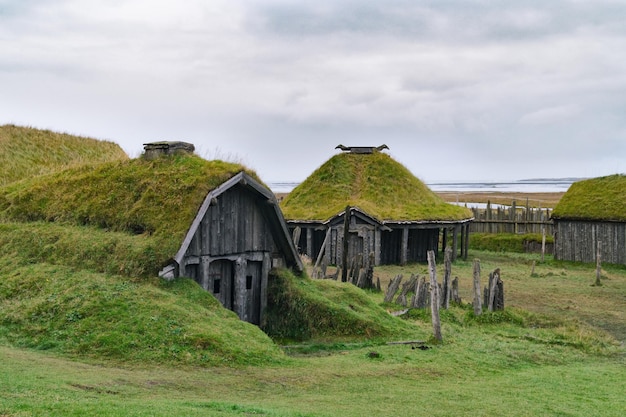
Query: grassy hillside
x,y
27,152
303,309
375,183
101,316
602,198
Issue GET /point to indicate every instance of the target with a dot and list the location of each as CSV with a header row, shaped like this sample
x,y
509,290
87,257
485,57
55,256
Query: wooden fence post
x,y
446,278
406,287
392,288
543,243
478,309
598,264
434,296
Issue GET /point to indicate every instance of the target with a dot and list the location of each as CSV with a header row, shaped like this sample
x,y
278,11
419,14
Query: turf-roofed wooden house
x,y
392,214
236,237
592,213
212,221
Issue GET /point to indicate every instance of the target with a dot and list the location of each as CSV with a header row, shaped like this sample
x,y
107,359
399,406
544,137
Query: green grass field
x,y
557,350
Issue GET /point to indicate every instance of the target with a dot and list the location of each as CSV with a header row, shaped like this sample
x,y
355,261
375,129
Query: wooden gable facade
x,y
238,235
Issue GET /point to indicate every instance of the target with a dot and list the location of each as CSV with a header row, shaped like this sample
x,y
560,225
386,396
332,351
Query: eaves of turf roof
x,y
157,197
376,183
596,199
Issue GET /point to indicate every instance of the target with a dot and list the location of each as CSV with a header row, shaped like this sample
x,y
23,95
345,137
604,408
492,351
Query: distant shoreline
x,y
539,186
533,199
544,193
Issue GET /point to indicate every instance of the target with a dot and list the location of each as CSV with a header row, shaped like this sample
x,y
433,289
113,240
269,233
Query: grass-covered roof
x,y
27,152
159,197
602,198
376,183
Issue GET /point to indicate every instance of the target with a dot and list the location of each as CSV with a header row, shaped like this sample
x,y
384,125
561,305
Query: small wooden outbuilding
x,y
237,236
592,214
391,214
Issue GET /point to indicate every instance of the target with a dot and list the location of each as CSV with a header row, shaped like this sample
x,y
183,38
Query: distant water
x,y
539,185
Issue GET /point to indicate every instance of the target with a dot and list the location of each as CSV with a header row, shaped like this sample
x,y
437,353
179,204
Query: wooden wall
x,y
233,224
578,241
232,251
511,219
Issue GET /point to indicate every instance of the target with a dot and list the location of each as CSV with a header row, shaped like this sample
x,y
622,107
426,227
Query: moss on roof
x,y
27,152
377,184
159,197
602,198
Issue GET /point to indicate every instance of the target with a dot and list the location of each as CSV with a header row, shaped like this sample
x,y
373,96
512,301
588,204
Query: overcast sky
x,y
458,89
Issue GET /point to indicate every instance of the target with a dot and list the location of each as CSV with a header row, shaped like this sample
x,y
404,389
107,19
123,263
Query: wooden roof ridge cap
x,y
362,149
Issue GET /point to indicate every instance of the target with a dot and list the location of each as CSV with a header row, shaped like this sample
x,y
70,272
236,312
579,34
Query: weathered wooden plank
x,y
406,287
477,297
434,301
446,278
392,288
346,236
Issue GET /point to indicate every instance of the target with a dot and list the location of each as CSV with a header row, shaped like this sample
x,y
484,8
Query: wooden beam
x,y
346,237
404,247
455,232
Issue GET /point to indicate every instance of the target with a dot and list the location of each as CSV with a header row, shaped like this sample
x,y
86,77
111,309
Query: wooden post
x,y
309,243
478,309
466,243
321,254
404,249
446,278
494,279
239,290
514,215
296,237
434,296
346,236
598,264
455,232
543,242
455,291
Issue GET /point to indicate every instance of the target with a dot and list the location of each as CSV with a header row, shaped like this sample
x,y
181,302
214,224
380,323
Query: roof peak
x,y
362,149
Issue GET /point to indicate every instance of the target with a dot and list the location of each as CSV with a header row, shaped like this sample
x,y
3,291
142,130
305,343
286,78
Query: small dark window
x,y
216,286
249,282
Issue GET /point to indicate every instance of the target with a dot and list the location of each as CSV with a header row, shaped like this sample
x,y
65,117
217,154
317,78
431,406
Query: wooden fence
x,y
511,219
